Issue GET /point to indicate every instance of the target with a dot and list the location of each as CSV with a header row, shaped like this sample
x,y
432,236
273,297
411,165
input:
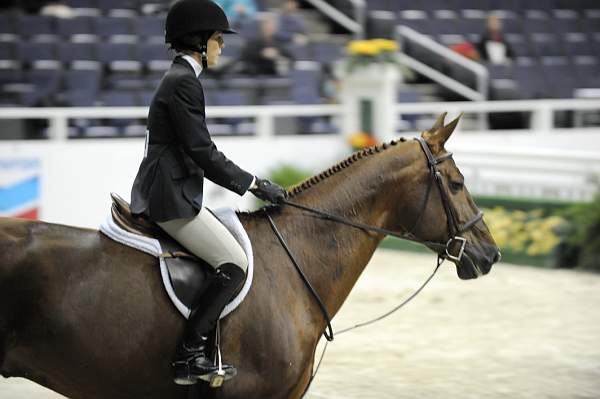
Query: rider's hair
x,y
191,41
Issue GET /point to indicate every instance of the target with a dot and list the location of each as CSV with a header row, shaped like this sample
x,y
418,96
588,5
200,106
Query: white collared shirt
x,y
195,65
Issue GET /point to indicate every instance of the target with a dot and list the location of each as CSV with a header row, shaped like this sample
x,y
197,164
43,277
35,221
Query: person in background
x,y
291,24
266,55
492,46
238,11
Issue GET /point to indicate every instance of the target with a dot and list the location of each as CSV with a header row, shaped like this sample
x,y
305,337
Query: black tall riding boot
x,y
191,361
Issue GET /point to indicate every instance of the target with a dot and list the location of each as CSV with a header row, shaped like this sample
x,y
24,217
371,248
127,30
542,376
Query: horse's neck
x,y
332,254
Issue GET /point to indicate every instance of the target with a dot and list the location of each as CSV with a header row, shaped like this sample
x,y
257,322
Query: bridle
x,y
455,229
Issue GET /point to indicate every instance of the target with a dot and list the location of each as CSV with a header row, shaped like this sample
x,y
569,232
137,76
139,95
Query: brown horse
x,y
89,318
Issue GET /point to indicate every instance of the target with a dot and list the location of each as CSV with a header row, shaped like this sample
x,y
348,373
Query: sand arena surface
x,y
519,332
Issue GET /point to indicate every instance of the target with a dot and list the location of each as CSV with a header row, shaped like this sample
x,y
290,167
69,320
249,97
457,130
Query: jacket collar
x,y
182,61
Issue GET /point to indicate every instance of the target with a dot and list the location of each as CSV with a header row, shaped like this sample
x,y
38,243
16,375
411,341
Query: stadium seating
x,y
546,38
113,47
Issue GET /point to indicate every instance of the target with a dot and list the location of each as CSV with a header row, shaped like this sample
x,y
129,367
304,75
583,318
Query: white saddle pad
x,y
151,246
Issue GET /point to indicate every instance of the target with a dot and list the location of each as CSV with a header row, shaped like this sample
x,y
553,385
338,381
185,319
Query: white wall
x,y
78,175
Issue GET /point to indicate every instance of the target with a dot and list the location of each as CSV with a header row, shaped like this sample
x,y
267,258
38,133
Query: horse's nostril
x,y
497,257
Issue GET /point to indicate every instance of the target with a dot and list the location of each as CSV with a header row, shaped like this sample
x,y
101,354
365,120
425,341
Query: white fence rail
x,y
500,166
264,115
531,172
542,110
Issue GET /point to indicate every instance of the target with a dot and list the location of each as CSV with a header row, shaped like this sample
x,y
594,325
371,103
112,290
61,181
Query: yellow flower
x,y
371,47
359,47
385,45
520,231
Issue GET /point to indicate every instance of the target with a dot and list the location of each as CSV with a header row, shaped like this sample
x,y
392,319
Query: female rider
x,y
179,154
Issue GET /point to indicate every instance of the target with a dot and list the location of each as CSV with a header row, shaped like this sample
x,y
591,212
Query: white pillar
x,y
375,84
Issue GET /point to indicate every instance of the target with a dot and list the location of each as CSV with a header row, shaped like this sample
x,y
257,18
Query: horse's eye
x,y
456,185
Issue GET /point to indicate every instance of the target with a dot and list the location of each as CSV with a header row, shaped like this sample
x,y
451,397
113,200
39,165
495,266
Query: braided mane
x,y
297,189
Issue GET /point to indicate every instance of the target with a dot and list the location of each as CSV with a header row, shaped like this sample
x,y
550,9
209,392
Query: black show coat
x,y
180,152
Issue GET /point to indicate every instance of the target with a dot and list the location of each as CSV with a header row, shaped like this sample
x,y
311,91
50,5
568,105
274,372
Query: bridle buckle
x,y
463,242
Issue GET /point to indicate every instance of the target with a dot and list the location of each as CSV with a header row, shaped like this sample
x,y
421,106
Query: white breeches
x,y
206,237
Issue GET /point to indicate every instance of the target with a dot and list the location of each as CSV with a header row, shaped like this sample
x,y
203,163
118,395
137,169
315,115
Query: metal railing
x,y
405,34
356,25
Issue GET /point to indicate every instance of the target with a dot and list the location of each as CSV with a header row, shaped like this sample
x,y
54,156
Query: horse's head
x,y
445,215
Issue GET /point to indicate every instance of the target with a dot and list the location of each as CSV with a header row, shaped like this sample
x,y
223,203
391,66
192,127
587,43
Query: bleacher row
x,y
556,43
108,56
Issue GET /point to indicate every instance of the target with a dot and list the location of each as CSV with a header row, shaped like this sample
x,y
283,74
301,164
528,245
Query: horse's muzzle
x,y
477,261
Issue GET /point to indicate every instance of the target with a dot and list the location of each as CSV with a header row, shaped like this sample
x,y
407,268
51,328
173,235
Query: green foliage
x,y
288,175
581,238
548,207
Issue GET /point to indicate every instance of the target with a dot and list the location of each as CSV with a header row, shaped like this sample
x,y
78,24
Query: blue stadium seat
x,y
8,51
586,72
33,25
519,44
300,52
10,72
528,73
578,44
559,77
501,71
145,98
79,98
83,79
31,51
149,26
290,25
231,97
108,52
472,4
153,51
7,23
118,99
83,3
69,52
537,22
326,52
46,81
546,44
67,27
110,26
415,19
108,6
381,24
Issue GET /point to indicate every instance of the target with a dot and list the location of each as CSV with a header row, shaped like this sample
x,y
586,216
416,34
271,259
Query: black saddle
x,y
189,274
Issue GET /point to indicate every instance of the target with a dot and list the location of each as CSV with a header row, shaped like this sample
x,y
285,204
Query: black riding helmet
x,y
190,23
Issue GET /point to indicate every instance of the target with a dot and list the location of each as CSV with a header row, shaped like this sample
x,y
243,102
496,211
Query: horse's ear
x,y
439,123
447,130
438,137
